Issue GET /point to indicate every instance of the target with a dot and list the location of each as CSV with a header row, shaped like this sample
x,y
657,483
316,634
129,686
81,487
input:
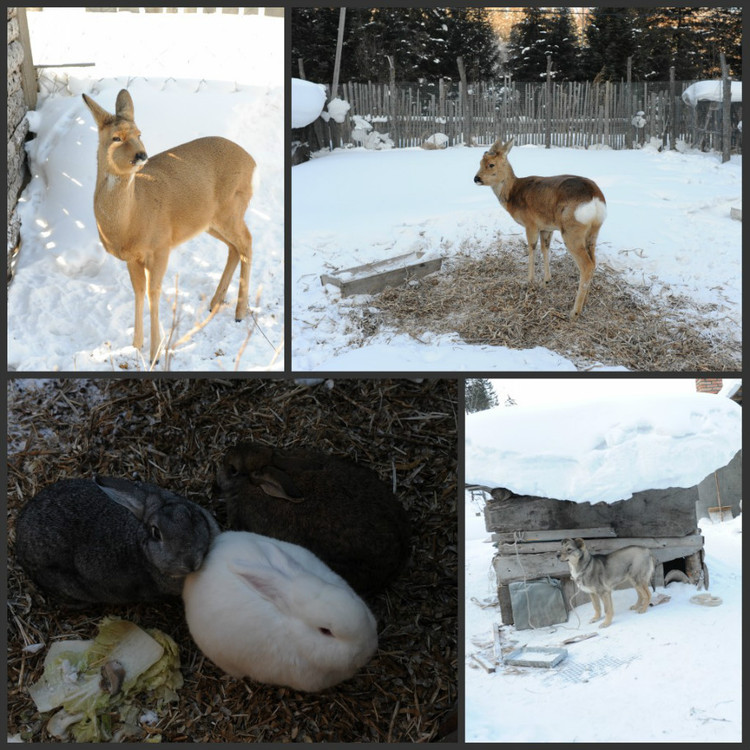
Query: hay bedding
x,y
173,433
487,301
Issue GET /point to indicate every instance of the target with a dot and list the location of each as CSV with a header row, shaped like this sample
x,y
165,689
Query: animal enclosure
x,y
570,114
527,532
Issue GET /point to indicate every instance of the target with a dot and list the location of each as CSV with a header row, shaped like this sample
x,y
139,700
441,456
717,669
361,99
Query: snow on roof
x,y
602,450
710,91
308,100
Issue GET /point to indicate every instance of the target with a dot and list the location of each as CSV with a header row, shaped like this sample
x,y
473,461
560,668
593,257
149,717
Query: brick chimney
x,y
708,385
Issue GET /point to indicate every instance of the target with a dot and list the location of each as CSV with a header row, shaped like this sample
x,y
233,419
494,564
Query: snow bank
x,y
308,100
602,450
710,91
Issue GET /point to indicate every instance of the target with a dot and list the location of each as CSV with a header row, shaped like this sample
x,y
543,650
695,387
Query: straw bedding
x,y
173,433
486,301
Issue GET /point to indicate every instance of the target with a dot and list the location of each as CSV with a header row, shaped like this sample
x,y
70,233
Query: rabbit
x,y
111,541
337,509
272,611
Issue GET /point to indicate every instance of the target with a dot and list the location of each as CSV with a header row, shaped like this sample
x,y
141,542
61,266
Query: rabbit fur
x,y
111,540
337,509
266,609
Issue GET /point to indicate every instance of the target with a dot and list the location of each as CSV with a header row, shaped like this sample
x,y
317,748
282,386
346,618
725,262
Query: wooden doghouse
x,y
527,532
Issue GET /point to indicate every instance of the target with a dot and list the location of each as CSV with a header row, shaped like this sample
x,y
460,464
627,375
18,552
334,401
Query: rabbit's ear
x,y
266,580
124,493
277,483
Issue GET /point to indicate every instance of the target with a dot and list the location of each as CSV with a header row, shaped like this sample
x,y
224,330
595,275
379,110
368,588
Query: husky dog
x,y
597,575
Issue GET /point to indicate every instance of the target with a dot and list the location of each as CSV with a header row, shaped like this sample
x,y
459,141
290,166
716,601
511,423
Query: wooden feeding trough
x,y
374,277
527,531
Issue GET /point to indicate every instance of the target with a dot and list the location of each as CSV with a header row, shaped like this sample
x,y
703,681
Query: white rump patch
x,y
593,210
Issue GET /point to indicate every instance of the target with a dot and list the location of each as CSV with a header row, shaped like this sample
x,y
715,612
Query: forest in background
x,y
424,43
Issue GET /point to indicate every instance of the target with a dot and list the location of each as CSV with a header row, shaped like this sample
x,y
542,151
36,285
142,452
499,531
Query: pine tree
x,y
720,30
528,46
562,41
480,395
609,43
666,37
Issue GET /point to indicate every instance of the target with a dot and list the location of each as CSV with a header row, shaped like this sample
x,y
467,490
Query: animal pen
x,y
527,532
573,114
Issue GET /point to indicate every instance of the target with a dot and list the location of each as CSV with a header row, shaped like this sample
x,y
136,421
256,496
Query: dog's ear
x,y
579,543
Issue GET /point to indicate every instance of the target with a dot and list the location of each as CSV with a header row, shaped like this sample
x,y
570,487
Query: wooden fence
x,y
617,115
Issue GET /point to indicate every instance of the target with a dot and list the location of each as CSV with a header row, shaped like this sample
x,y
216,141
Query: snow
x,y
668,227
70,306
710,91
308,100
337,109
672,674
602,450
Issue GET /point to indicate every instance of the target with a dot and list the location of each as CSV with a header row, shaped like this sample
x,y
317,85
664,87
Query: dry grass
x,y
486,301
172,433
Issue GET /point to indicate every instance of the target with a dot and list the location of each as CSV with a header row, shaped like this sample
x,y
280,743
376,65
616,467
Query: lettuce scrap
x,y
72,679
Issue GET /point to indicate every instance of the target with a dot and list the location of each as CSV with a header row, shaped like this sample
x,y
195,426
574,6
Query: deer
x,y
574,205
146,206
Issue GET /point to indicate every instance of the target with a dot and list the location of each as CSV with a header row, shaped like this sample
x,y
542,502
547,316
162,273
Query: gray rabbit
x,y
335,508
111,540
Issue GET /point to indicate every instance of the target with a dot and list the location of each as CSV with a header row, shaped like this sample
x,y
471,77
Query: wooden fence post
x,y
672,127
548,105
726,110
628,99
464,101
392,126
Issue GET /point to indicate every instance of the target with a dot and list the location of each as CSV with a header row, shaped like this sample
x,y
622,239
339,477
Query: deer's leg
x,y
532,234
239,243
545,237
138,280
154,277
576,244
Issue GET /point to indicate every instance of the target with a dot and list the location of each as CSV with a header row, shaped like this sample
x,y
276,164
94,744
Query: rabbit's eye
x,y
155,533
232,470
326,631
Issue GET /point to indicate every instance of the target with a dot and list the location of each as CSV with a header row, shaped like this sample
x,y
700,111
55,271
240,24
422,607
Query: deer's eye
x,y
155,533
116,139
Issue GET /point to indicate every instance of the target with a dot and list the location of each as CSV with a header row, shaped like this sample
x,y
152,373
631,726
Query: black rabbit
x,y
340,511
111,540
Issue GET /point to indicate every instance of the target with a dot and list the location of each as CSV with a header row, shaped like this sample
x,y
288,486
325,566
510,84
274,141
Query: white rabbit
x,y
272,611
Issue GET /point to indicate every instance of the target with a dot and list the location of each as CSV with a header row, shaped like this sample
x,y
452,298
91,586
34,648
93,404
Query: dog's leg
x,y
597,607
608,609
644,597
639,603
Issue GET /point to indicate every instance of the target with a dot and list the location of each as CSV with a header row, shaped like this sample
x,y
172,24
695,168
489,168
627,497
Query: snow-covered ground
x,y
70,306
672,674
668,227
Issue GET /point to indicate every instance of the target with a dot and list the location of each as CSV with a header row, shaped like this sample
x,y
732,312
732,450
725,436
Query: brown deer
x,y
145,206
574,205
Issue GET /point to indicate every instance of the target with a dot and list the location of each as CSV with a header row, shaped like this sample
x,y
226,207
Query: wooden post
x,y
301,66
392,99
672,111
548,105
27,66
337,61
628,97
726,110
464,101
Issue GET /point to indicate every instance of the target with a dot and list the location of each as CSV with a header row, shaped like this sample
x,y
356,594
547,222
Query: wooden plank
x,y
602,545
514,567
379,281
547,535
669,512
